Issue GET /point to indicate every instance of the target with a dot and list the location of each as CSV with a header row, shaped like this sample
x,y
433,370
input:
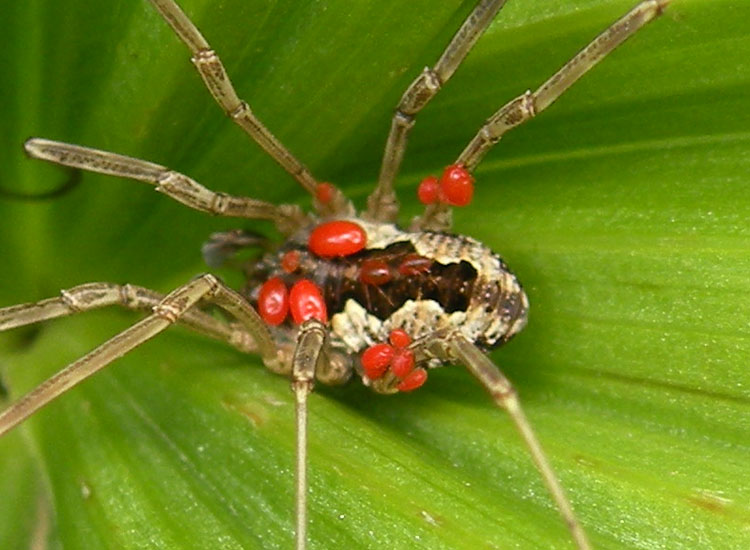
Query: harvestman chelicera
x,y
291,328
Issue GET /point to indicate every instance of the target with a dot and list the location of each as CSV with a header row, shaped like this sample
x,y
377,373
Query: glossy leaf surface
x,y
624,210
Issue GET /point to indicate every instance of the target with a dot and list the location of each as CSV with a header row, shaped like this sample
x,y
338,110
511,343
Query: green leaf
x,y
623,209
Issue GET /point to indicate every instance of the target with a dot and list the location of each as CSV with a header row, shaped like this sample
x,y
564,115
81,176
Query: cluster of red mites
x,y
377,359
340,238
304,301
454,188
377,272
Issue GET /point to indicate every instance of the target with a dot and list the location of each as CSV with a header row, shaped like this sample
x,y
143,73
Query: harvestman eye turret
x,y
343,294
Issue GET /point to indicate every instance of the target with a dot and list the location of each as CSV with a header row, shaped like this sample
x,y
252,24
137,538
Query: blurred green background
x,y
623,209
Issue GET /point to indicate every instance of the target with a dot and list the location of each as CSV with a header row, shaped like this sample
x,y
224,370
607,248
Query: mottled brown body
x,y
441,281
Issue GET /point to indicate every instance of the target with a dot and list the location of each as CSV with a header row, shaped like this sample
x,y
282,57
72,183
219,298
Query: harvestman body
x,y
343,293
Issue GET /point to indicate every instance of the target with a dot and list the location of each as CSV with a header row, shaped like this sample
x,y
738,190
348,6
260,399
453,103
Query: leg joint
x,y
528,105
167,311
420,92
487,136
71,301
219,203
313,325
205,55
402,119
129,296
214,284
242,110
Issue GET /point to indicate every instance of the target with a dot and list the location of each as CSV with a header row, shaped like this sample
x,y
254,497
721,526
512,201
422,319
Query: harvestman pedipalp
x,y
429,297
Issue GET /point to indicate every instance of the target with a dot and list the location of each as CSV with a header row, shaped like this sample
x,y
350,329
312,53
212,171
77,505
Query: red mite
x,y
273,301
399,338
414,264
456,186
376,359
375,272
428,190
324,192
414,380
306,302
290,261
336,239
403,363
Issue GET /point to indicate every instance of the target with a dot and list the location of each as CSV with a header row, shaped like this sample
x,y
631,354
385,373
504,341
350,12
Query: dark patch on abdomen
x,y
450,285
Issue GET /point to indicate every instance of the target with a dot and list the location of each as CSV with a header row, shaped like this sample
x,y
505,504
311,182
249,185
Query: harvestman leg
x,y
172,308
217,81
382,204
309,357
90,296
529,104
288,218
504,395
251,335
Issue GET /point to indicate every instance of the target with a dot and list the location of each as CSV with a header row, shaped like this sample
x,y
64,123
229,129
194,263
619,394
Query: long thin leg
x,y
217,81
529,104
382,204
506,398
308,355
189,192
98,295
165,313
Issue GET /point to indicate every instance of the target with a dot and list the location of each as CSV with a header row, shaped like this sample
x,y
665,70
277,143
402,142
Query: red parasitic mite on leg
x,y
344,294
273,301
324,192
428,190
456,186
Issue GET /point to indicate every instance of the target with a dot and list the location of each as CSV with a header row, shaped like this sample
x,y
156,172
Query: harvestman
x,y
426,270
